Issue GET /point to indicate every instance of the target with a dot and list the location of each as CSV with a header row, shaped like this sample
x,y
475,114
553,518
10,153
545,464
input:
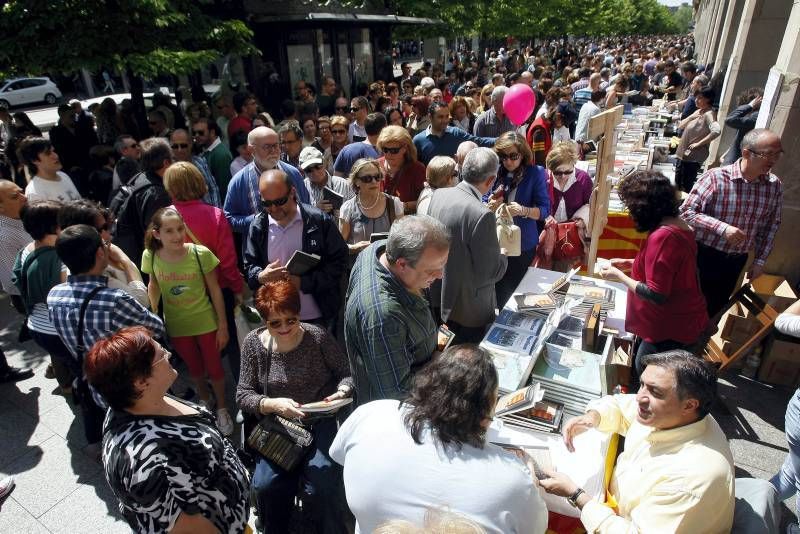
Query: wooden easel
x,y
602,129
761,312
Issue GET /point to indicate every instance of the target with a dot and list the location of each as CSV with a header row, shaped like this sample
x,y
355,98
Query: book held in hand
x,y
333,197
302,262
378,236
325,406
444,337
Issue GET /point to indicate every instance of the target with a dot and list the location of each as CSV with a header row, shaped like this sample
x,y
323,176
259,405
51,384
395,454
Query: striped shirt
x,y
39,317
14,238
389,332
723,198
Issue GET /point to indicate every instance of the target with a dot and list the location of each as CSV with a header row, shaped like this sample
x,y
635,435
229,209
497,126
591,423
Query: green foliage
x,y
683,17
150,37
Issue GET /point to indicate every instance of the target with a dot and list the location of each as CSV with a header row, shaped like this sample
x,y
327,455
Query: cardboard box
x,y
780,362
775,291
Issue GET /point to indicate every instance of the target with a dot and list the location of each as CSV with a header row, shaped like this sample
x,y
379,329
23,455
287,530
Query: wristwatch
x,y
573,499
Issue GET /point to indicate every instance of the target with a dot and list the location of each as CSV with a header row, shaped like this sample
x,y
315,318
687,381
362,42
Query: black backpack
x,y
129,226
118,203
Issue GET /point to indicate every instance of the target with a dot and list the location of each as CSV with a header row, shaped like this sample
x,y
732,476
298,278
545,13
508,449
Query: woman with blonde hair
x,y
403,175
208,226
522,186
570,191
485,101
441,172
371,210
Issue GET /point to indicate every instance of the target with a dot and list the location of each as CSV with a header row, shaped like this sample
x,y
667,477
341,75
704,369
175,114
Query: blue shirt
x,y
430,145
243,201
352,153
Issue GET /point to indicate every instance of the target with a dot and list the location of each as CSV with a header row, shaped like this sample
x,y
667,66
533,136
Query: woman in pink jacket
x,y
207,226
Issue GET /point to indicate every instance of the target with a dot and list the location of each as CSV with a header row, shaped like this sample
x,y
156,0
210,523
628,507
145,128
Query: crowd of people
x,y
127,244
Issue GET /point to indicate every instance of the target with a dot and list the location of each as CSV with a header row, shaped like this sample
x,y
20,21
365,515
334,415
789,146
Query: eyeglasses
x,y
277,202
277,323
176,146
392,149
164,358
289,141
199,132
313,168
368,178
338,132
269,147
512,157
767,155
563,173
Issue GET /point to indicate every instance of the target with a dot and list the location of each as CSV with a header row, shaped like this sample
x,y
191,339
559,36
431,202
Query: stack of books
x,y
530,409
513,340
570,376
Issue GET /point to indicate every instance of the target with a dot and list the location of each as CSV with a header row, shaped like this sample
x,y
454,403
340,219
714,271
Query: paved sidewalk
x,y
61,489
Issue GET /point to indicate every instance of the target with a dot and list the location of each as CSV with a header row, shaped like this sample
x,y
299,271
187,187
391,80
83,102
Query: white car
x,y
24,91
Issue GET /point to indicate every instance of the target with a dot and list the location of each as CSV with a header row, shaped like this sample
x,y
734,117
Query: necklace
x,y
365,208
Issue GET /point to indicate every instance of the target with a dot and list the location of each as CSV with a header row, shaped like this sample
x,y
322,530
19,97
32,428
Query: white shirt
x,y
561,134
14,238
62,189
356,130
388,476
588,110
788,323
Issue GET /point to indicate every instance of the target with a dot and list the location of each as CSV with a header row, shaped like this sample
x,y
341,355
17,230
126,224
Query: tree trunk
x,y
137,101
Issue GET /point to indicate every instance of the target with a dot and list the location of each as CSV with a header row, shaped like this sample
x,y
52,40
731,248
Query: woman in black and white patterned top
x,y
165,459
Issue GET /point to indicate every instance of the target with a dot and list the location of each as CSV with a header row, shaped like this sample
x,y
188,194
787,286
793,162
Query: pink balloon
x,y
519,103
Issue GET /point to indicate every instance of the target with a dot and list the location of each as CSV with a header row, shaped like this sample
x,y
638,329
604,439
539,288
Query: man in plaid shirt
x,y
86,255
734,209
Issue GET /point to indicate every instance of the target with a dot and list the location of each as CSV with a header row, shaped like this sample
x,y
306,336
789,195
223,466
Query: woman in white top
x,y
43,164
430,451
371,210
441,172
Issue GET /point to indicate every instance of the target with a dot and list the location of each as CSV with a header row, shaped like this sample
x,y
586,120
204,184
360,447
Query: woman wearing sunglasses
x,y
285,364
522,186
371,210
404,176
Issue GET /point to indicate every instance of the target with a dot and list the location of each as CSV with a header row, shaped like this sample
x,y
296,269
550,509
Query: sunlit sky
x,y
674,2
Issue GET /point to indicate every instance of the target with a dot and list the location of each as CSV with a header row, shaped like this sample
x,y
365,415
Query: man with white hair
x,y
466,296
243,201
463,149
494,122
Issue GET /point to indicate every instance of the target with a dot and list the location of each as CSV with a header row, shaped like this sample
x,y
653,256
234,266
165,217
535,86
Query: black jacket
x,y
149,196
321,237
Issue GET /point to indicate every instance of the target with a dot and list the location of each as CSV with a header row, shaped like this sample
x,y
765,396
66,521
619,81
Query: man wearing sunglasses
x,y
284,226
733,209
181,145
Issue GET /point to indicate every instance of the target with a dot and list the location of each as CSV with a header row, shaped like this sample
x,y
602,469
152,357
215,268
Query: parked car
x,y
24,91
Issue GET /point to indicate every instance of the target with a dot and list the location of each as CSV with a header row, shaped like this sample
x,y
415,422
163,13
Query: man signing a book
x,y
676,472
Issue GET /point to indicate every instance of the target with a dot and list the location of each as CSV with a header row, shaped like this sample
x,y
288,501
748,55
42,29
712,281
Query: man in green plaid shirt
x,y
389,329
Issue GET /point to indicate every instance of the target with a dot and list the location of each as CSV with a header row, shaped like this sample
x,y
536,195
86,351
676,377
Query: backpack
x,y
129,227
119,200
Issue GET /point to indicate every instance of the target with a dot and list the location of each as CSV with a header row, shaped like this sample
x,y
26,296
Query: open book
x,y
519,400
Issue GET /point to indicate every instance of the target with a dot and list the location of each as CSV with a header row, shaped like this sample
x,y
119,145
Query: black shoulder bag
x,y
278,439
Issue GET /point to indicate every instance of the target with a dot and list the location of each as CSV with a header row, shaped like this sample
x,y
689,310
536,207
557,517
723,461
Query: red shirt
x,y
667,263
239,123
406,184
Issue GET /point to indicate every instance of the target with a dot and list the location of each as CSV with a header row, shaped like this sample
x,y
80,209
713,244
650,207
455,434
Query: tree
x,y
140,37
682,18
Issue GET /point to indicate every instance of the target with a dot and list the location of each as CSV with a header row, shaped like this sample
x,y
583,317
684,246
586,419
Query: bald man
x,y
735,209
283,226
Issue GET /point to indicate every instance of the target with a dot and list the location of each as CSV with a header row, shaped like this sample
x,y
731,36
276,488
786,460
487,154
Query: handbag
x,y
278,439
509,235
568,245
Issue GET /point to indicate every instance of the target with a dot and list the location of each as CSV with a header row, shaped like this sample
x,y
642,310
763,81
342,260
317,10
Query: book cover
x,y
519,400
529,324
506,338
535,301
333,197
444,337
377,236
301,262
513,369
573,366
325,406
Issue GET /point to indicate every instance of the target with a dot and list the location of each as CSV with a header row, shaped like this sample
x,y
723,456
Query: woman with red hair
x,y
286,364
165,459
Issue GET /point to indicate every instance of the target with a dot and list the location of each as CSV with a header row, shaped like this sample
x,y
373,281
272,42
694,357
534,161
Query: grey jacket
x,y
466,293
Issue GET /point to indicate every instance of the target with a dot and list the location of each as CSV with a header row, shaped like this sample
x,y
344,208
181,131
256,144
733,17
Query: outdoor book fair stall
x,y
560,341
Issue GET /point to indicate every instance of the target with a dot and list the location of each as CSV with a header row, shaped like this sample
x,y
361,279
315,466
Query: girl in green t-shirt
x,y
183,276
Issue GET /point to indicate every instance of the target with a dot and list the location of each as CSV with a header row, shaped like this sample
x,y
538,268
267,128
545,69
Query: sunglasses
x,y
368,178
313,168
392,149
341,108
277,202
176,146
338,132
512,157
199,132
277,323
563,173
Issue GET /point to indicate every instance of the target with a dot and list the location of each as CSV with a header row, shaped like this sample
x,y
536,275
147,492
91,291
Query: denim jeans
x,y
787,480
322,489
